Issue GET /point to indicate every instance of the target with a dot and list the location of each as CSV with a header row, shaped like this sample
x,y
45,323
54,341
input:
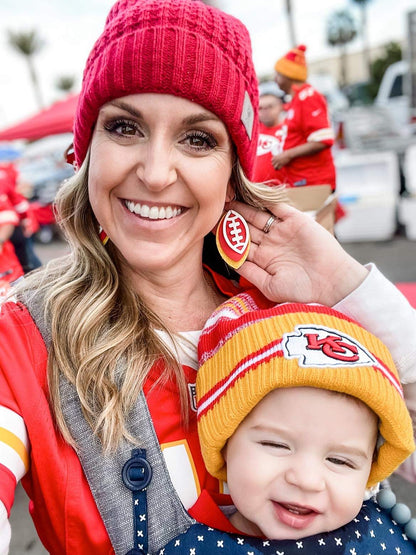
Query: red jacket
x,y
62,506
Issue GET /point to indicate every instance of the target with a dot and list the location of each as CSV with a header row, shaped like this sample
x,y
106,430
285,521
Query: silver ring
x,y
268,224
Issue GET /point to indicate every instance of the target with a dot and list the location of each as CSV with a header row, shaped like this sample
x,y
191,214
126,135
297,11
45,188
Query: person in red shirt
x,y
27,224
306,136
271,115
10,268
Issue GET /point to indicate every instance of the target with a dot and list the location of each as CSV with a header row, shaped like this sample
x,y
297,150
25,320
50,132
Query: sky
x,y
70,27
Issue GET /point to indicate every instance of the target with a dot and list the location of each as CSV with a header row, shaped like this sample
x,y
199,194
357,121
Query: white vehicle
x,y
395,98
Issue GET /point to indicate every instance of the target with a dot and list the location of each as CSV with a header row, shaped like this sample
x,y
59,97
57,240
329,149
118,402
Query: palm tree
x,y
65,83
28,44
364,34
341,30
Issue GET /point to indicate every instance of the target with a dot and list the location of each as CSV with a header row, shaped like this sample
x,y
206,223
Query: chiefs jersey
x,y
307,121
32,449
269,144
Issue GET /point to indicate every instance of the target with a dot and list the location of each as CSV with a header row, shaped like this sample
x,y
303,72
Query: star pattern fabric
x,y
372,532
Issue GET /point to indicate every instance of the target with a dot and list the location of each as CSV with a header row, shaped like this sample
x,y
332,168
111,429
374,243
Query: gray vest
x,y
166,515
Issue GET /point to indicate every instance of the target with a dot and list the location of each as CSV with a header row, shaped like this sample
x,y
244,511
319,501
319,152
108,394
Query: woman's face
x,y
159,176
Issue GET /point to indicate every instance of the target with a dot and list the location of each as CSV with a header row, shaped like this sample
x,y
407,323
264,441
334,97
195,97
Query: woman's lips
x,y
295,516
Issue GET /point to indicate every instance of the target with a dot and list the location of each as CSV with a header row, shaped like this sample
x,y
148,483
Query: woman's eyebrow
x,y
126,107
200,117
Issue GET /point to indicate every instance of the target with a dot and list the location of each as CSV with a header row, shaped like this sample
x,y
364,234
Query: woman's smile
x,y
153,212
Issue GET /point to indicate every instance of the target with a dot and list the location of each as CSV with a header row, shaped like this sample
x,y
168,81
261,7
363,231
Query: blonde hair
x,y
102,333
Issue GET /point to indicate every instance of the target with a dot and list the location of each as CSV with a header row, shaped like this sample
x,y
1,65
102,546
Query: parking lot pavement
x,y
396,258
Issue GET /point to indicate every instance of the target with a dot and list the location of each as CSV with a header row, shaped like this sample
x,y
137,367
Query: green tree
x,y
392,54
28,43
341,30
65,83
362,4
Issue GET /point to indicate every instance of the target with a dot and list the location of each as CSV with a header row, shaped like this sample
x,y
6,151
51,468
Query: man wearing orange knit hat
x,y
305,152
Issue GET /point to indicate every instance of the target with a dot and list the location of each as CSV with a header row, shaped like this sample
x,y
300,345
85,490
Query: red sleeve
x,y
18,201
21,354
317,127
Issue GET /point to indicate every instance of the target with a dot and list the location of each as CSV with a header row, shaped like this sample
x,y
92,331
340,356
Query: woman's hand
x,y
297,260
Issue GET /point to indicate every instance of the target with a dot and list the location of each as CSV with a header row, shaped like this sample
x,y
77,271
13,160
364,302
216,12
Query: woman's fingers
x,y
258,217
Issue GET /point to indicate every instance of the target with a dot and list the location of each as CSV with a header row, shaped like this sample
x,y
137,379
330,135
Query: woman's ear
x,y
230,195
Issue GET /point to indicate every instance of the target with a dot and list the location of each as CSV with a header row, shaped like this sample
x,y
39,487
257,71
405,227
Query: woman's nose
x,y
306,475
156,168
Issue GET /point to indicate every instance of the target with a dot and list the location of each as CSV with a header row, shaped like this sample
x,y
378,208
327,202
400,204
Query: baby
x,y
300,412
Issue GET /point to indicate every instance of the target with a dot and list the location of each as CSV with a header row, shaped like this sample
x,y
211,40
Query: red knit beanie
x,y
293,64
179,47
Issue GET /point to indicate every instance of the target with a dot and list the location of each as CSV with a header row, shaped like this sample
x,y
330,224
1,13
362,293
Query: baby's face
x,y
298,465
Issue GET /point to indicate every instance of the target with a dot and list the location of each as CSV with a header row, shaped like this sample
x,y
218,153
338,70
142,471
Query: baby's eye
x,y
199,140
122,127
340,462
274,444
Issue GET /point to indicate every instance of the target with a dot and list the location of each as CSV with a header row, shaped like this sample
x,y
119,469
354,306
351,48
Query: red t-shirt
x,y
270,143
307,121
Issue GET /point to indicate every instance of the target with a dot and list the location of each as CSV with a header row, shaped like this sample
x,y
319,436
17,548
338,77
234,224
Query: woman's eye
x,y
340,462
200,140
122,127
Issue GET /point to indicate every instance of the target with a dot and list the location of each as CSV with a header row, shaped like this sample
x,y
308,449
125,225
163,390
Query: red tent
x,y
58,118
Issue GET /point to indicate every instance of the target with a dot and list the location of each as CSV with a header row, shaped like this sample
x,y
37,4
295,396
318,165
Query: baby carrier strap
x,y
166,515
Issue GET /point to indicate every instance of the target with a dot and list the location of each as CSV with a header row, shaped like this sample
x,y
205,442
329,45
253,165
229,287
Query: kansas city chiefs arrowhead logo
x,y
233,238
321,346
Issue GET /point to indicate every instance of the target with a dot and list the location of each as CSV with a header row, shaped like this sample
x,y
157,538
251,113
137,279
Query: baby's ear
x,y
224,452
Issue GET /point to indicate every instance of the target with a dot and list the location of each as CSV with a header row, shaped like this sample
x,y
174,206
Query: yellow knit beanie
x,y
250,347
293,64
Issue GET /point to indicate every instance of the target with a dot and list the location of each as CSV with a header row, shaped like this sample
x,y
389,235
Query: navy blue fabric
x,y
372,532
137,475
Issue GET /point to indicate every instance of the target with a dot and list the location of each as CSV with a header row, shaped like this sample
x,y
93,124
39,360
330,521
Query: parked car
x,y
394,96
358,94
42,169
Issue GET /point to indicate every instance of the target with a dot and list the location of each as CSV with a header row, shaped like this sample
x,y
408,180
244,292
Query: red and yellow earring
x,y
233,239
103,236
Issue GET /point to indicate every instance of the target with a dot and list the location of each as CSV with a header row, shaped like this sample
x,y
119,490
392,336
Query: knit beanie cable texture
x,y
179,47
249,348
293,64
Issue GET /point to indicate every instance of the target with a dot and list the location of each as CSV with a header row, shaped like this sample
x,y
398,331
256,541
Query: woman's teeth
x,y
153,213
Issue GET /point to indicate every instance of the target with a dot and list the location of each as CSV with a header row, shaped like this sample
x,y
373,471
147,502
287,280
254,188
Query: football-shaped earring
x,y
233,239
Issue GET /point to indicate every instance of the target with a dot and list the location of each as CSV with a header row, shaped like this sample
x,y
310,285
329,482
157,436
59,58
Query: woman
x,y
98,350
